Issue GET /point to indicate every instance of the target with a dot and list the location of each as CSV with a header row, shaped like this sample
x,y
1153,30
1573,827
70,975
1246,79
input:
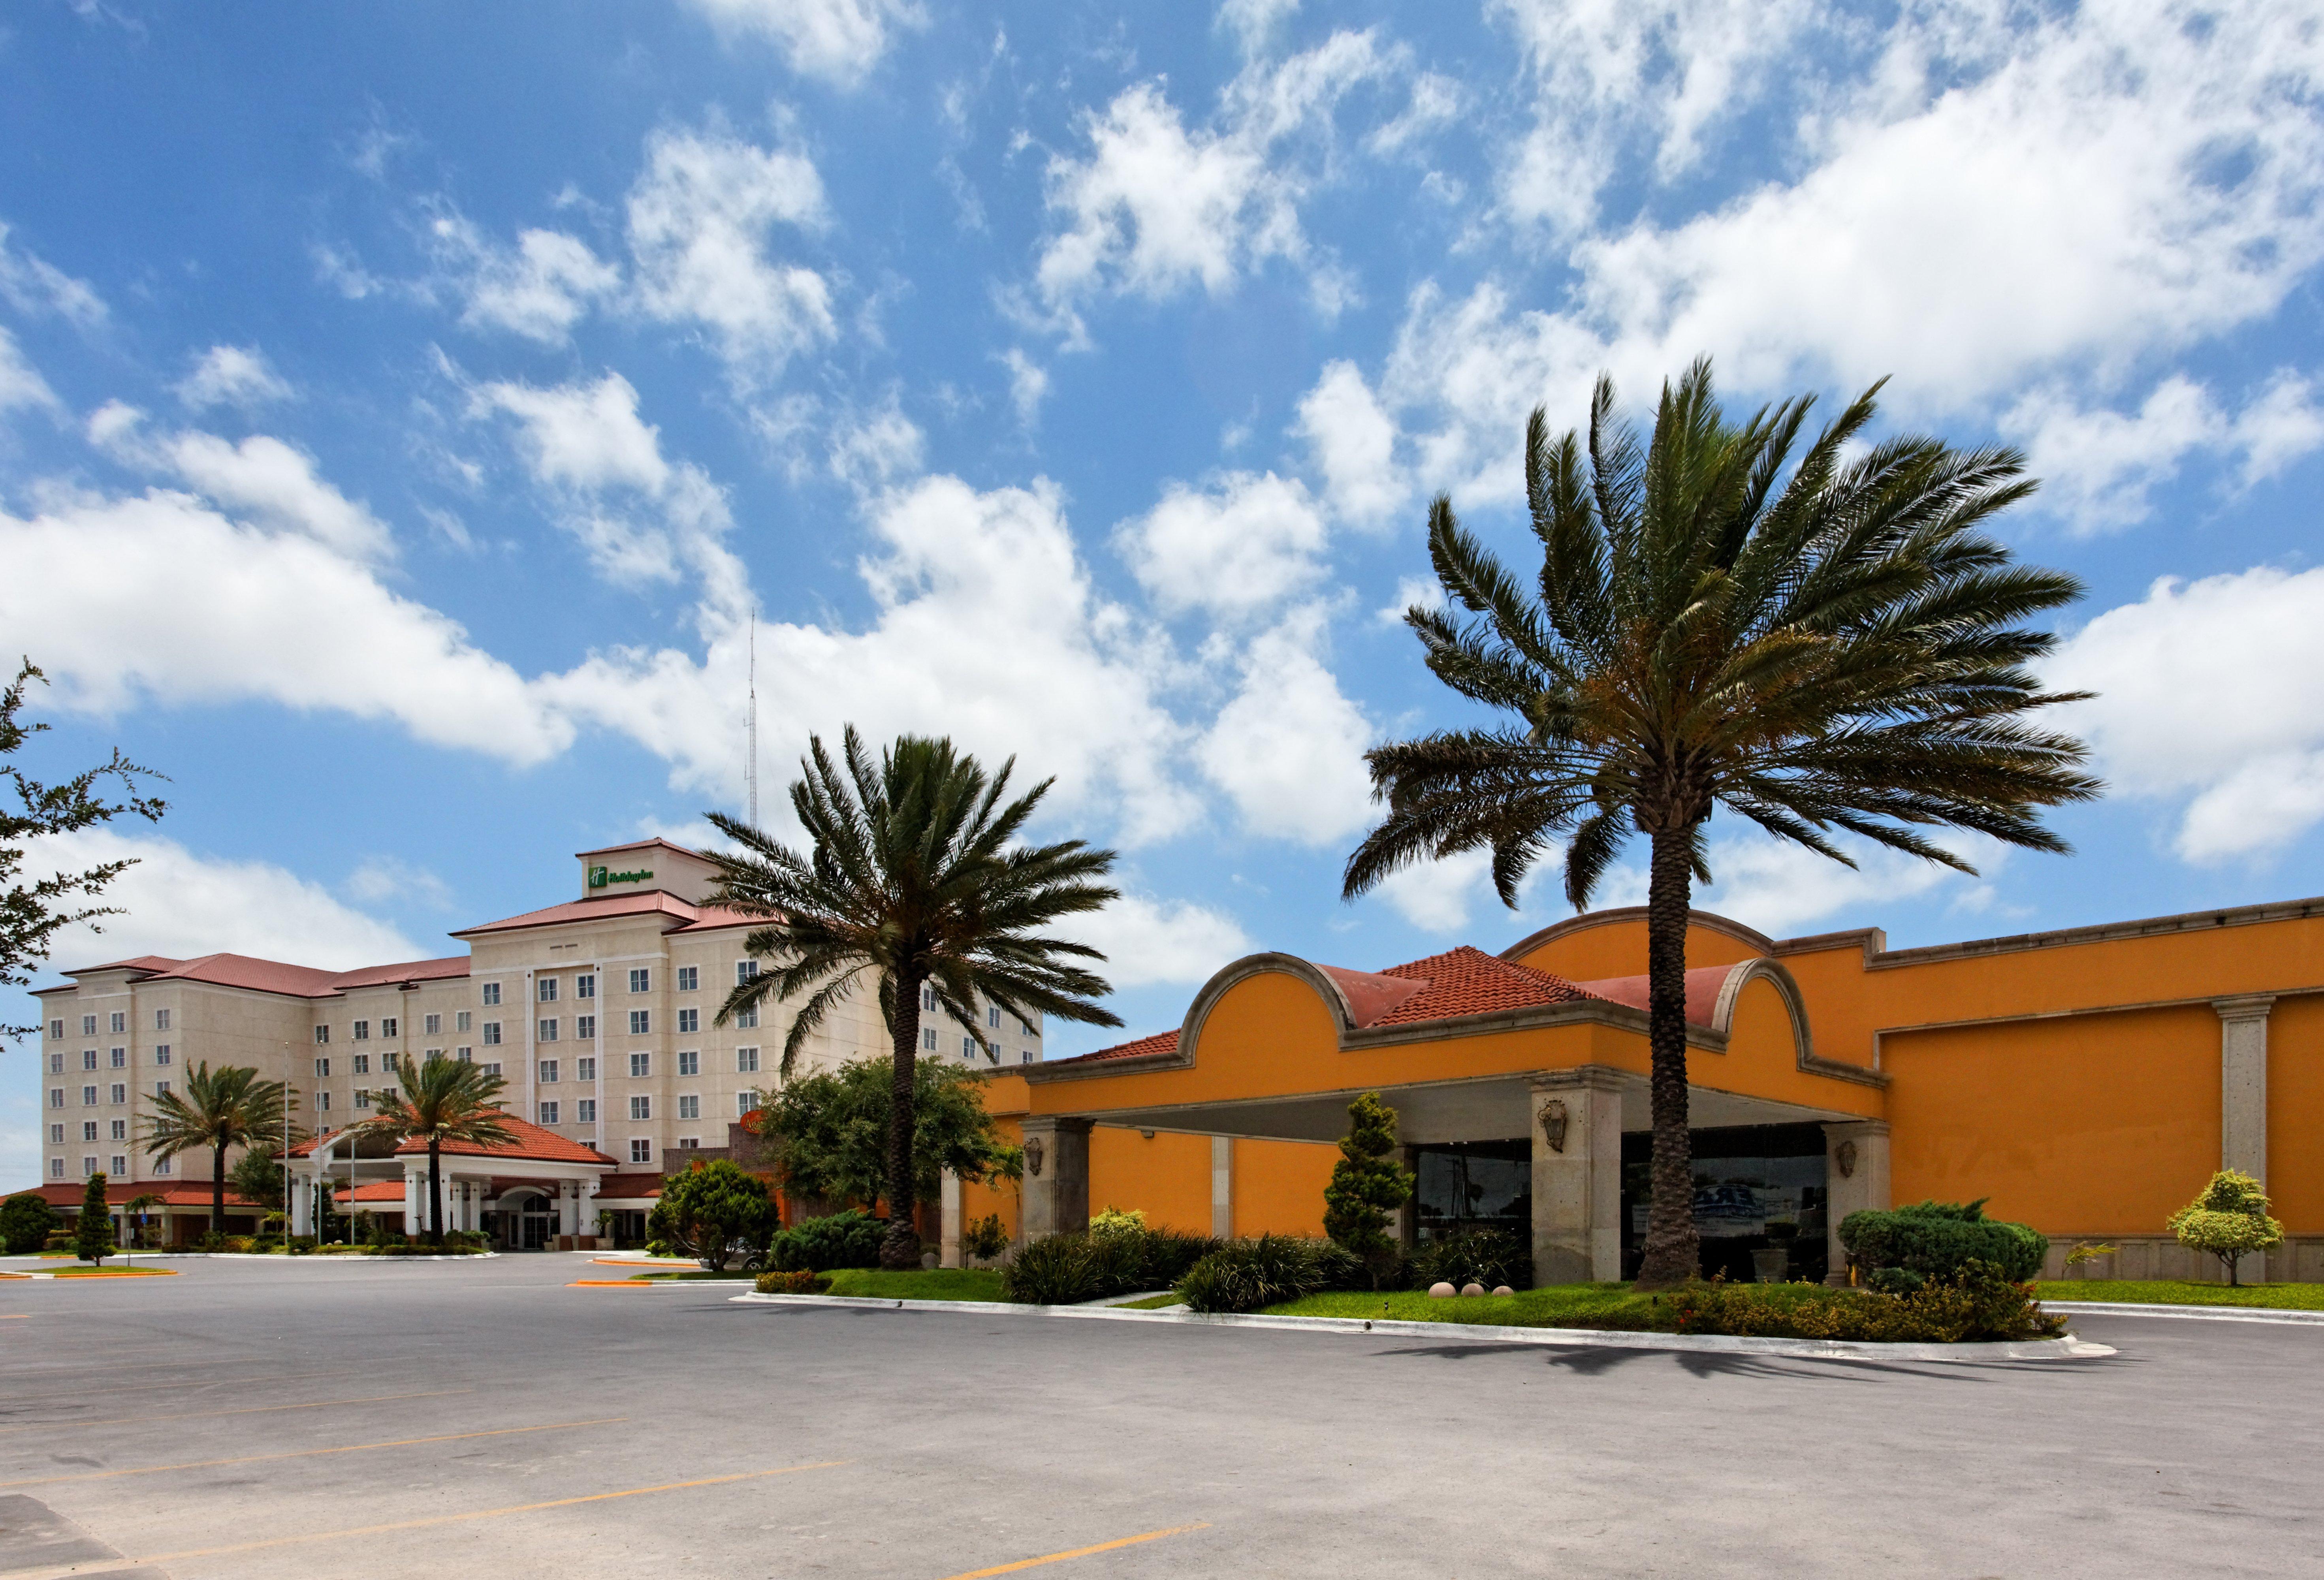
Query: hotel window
x,y
120,1059
548,1114
968,1047
689,979
492,1070
640,980
744,970
389,1027
162,1166
689,1020
89,1130
322,1069
87,1166
55,1064
641,1151
120,1130
162,1054
546,988
689,1107
928,1039
56,1167
120,1021
640,1022
362,1032
462,1053
584,1111
585,1026
88,1025
390,1063
160,1019
687,1143
992,1016
491,993
88,1058
56,1028
927,1001
689,1064
640,1108
745,1102
584,1069
545,1031
120,1164
363,1096
548,1072
461,1019
56,1135
492,1034
584,986
161,1088
361,1064
56,1096
120,1092
322,1102
322,1036
746,1061
88,1097
641,1065
747,1018
1026,1056
431,1025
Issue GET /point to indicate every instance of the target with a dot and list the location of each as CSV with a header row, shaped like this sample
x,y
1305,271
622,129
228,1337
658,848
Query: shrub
x,y
848,1239
1065,1270
93,1234
1490,1257
709,1209
1249,1275
1368,1185
1938,1239
1115,1220
982,1238
1978,1303
2228,1220
57,1240
1059,1269
797,1282
26,1220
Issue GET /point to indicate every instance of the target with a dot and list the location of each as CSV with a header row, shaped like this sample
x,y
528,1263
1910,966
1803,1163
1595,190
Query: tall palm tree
x,y
137,1213
914,875
1819,640
440,1100
229,1106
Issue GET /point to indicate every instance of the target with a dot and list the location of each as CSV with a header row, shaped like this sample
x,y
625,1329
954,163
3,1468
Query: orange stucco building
x,y
2087,1082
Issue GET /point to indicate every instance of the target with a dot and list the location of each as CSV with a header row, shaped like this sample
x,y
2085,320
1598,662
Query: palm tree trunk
x,y
218,1188
900,1251
1672,1252
435,1195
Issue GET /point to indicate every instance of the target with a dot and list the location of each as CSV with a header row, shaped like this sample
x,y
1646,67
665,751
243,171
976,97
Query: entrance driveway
x,y
259,1419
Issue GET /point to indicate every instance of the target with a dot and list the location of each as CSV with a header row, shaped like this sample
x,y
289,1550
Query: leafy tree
x,y
25,1220
1819,640
2229,1221
707,1208
831,1130
258,1176
226,1107
32,914
440,1101
94,1239
1366,1185
981,1239
915,875
138,1211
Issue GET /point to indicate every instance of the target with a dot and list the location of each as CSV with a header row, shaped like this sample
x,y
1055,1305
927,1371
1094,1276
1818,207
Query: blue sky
x,y
404,409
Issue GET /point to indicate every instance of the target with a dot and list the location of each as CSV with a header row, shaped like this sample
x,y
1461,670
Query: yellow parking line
x,y
260,1410
98,1475
251,1546
1103,1546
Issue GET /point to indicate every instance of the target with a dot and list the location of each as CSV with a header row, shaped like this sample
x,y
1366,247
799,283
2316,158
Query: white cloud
x,y
540,290
231,375
381,878
261,477
1436,102
1353,443
183,905
1148,940
698,219
1436,896
1425,591
21,384
1236,549
1028,384
839,41
1779,887
2210,692
1288,749
875,450
34,286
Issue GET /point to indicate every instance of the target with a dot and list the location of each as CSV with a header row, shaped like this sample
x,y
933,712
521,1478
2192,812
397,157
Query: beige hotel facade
x,y
599,1011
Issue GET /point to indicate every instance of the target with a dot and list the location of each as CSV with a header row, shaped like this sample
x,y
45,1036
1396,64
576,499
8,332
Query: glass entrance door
x,y
538,1229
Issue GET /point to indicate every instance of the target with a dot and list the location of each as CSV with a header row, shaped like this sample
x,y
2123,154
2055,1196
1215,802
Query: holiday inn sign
x,y
599,877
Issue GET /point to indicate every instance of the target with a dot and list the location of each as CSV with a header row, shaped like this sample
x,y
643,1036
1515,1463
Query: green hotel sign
x,y
599,877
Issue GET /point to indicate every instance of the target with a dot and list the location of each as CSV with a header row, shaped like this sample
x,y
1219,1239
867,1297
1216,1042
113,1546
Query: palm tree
x,y
226,1107
1821,641
915,876
135,1211
440,1100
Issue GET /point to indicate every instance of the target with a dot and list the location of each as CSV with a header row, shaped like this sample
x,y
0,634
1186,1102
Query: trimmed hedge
x,y
848,1239
797,1282
1066,1269
1978,1303
1250,1275
1938,1240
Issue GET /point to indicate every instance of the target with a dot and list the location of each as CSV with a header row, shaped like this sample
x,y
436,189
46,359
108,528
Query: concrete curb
x,y
2068,1348
2197,1313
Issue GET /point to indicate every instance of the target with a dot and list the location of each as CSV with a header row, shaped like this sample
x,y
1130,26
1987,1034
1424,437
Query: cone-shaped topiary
x,y
94,1241
2230,1220
1367,1186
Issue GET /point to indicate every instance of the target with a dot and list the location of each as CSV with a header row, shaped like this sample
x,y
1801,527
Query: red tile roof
x,y
628,1187
437,970
174,1193
1160,1043
1702,986
643,903
372,1190
277,976
531,1141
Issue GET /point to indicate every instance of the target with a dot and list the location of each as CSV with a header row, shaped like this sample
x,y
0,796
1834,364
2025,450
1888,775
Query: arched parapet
x,y
1237,972
1778,976
1726,940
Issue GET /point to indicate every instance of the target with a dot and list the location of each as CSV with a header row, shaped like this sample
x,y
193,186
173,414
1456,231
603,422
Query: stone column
x,y
1057,1177
1577,1175
1222,1186
1856,1176
948,1253
2243,1099
302,1204
569,1207
415,1201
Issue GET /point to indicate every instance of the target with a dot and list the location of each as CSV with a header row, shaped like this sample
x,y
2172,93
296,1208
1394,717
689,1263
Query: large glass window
x,y
1474,1185
1759,1201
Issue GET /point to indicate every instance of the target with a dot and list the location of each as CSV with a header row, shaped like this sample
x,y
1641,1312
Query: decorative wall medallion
x,y
1033,1157
1843,1158
1552,1123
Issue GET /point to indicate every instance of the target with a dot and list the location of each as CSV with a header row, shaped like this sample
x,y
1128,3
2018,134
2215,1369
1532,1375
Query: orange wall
x,y
1169,1179
1278,1185
2089,1125
2295,1112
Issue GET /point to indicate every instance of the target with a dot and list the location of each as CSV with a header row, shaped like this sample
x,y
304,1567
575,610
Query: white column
x,y
948,1232
302,1203
1856,1178
2243,1099
569,1207
1222,1186
415,1201
1577,1176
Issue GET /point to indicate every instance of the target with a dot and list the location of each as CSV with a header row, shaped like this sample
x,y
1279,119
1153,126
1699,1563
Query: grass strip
x,y
2185,1292
943,1283
115,1272
1616,1306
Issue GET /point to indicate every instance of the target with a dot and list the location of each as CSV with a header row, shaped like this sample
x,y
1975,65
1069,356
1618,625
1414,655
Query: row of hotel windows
x,y
690,1063
88,1167
120,1023
689,1107
120,1060
585,1026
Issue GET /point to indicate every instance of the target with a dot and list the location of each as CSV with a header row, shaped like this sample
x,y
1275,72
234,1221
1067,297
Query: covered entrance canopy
x,y
1470,1047
540,1183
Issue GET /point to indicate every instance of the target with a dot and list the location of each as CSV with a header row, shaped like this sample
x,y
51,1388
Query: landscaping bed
x,y
2183,1292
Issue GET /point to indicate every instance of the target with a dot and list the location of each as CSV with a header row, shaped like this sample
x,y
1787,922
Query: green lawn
x,y
1607,1305
2177,1292
691,1273
943,1283
1152,1302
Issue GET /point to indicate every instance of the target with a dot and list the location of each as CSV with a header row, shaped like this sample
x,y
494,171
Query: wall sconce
x,y
1033,1158
1147,1133
1552,1123
1843,1158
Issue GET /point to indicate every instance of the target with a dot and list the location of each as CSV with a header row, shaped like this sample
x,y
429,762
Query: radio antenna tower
x,y
751,768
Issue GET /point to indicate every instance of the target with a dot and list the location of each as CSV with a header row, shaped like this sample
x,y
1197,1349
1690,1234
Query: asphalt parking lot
x,y
316,1419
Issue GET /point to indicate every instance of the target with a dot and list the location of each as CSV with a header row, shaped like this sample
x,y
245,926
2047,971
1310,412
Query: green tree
x,y
26,1219
982,1238
94,1241
138,1213
440,1101
1822,641
831,1131
259,1177
32,914
2229,1221
707,1208
226,1107
1366,1185
915,876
